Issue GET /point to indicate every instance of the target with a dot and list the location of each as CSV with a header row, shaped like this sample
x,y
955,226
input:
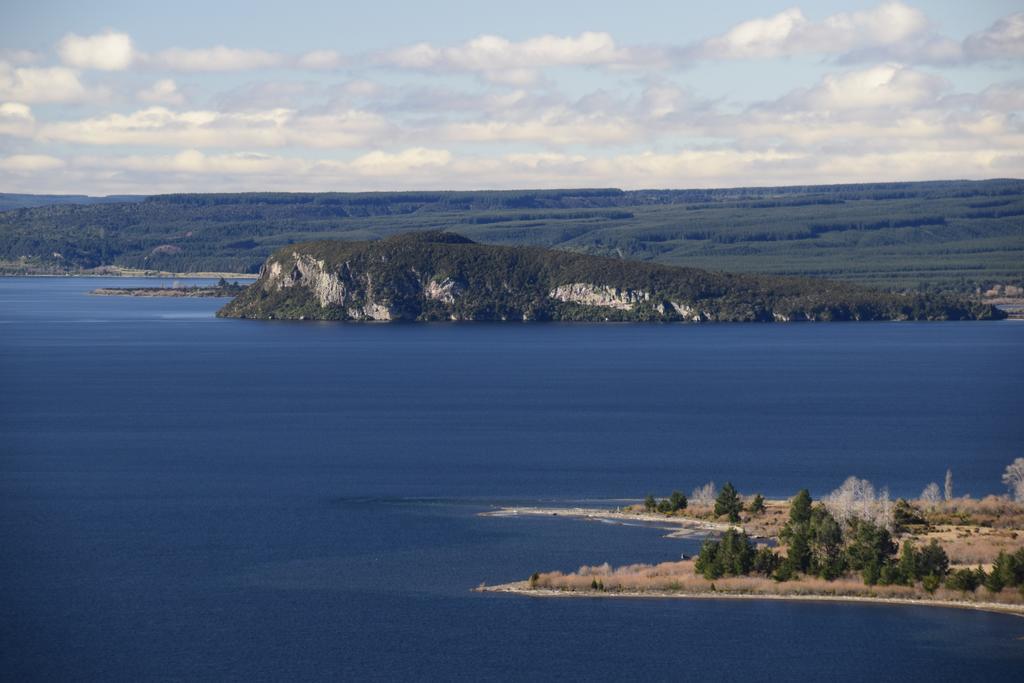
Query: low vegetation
x,y
854,542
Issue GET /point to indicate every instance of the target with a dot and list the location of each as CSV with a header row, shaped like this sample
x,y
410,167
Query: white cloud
x,y
378,163
554,127
108,51
16,119
1003,40
164,91
425,168
162,127
886,85
790,33
219,58
501,60
320,59
44,84
16,56
30,163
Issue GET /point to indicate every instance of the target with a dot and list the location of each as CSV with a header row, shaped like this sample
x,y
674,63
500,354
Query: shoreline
x,y
688,526
521,588
130,273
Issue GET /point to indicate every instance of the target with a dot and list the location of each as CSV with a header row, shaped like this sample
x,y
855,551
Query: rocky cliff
x,y
442,276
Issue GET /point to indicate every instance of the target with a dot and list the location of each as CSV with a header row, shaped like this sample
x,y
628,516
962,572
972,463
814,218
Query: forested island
x,y
855,543
223,288
432,276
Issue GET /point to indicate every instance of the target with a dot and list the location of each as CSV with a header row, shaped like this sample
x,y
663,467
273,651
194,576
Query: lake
x,y
189,497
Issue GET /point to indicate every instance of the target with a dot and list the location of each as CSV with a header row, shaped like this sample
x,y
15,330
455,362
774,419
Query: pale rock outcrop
x,y
600,295
445,290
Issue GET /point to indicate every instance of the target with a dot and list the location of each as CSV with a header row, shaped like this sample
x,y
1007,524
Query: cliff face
x,y
441,276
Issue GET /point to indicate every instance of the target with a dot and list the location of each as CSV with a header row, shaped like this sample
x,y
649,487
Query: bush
x,y
965,580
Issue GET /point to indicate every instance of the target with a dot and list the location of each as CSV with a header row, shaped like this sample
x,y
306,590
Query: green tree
x,y
932,561
731,555
678,501
757,505
800,507
664,506
931,583
908,565
825,541
869,550
1008,569
965,580
796,533
728,503
766,561
650,503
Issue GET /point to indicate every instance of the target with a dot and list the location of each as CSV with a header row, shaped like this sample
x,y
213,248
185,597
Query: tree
x,y
704,495
732,555
678,501
932,561
1013,477
825,543
800,507
931,495
650,503
729,503
765,561
664,506
756,506
796,533
870,549
965,580
949,485
908,565
1008,569
856,498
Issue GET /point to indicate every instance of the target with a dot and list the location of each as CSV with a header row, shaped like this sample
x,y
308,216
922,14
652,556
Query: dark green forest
x,y
486,282
953,235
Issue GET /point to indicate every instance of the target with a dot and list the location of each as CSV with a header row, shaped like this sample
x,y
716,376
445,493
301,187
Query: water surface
x,y
188,497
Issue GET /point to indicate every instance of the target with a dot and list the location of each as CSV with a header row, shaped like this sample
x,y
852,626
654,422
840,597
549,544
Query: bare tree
x,y
931,494
1013,477
704,495
857,498
949,484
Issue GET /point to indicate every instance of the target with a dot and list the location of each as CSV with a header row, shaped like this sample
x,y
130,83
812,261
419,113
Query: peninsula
x,y
853,545
433,275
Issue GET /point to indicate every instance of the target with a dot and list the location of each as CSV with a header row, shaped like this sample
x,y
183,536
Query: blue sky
x,y
114,97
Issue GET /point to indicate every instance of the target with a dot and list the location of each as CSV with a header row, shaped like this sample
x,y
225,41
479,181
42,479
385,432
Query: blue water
x,y
188,497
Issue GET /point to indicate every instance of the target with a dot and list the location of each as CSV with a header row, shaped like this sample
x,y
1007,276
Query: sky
x,y
118,97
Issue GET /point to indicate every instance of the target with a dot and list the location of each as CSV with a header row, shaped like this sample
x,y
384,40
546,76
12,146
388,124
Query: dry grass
x,y
767,524
995,512
669,577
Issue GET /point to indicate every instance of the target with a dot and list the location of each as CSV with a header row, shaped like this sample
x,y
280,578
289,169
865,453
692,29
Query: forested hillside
x,y
950,234
437,275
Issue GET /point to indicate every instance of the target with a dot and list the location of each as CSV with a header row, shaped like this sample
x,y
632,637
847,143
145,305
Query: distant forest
x,y
953,235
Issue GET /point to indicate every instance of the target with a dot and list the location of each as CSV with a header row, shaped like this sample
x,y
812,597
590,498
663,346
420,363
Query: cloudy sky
x,y
113,96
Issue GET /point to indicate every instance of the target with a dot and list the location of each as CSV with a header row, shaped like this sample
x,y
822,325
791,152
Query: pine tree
x,y
729,503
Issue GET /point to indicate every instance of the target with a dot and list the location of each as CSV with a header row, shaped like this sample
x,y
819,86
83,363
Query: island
x,y
223,288
436,275
853,545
